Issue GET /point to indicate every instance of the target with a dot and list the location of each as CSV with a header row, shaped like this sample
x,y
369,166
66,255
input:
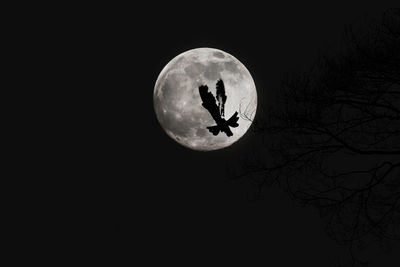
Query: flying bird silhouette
x,y
218,112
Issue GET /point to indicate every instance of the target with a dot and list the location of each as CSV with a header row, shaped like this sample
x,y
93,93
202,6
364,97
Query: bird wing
x,y
221,96
209,102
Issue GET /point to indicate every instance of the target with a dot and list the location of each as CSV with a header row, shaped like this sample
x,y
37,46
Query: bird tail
x,y
214,129
232,122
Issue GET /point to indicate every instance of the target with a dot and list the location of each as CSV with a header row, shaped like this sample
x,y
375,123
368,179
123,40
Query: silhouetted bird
x,y
217,112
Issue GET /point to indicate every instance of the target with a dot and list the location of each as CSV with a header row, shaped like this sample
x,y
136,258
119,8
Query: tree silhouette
x,y
333,139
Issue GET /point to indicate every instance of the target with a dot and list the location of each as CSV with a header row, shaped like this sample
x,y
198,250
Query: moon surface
x,y
178,105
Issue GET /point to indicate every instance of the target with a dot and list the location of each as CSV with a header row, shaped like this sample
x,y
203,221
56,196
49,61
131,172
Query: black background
x,y
147,196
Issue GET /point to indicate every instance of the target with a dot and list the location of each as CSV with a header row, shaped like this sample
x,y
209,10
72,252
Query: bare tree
x,y
334,139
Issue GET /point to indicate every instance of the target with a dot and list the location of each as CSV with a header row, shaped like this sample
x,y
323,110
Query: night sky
x,y
156,200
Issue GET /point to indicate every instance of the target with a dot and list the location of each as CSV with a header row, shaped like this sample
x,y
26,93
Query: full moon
x,y
178,105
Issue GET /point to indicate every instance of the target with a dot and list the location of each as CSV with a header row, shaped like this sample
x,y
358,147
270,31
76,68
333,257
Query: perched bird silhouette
x,y
218,112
